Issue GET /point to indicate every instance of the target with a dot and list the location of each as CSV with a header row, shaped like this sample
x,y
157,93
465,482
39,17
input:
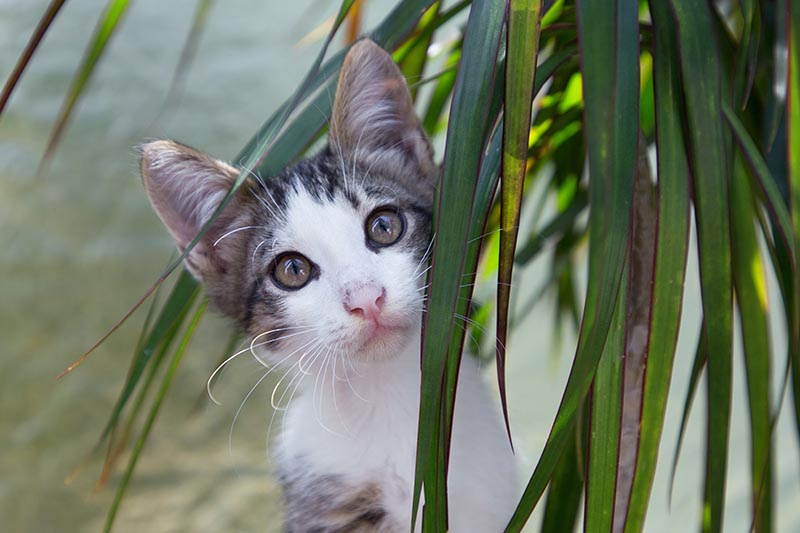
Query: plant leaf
x,y
793,184
154,410
27,54
522,46
700,361
700,66
169,318
109,20
606,414
612,137
751,298
188,52
670,260
566,487
460,171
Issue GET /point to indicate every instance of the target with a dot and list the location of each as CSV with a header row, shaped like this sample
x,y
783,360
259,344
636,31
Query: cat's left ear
x,y
373,118
186,187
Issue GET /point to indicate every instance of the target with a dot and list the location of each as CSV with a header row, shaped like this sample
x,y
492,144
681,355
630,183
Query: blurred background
x,y
79,245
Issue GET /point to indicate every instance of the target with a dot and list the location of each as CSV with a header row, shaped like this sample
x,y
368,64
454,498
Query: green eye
x,y
292,271
384,227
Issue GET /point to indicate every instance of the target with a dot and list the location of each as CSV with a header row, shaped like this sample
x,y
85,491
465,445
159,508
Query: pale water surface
x,y
81,244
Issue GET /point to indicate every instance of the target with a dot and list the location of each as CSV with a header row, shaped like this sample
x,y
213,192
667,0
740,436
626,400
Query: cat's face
x,y
330,256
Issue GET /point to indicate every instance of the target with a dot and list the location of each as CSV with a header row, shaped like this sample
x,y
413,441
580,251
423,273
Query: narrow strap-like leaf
x,y
751,298
154,410
700,66
700,361
33,43
171,315
522,46
670,261
186,58
566,487
469,125
764,182
639,308
106,26
606,414
793,153
611,93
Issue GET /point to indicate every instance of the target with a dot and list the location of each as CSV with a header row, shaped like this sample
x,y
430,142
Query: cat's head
x,y
330,254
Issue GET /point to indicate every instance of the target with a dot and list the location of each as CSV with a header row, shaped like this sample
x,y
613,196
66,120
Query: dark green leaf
x,y
170,317
154,410
460,172
604,435
670,261
751,298
611,93
700,65
522,46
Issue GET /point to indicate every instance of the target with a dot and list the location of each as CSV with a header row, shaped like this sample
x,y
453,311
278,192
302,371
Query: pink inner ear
x,y
185,187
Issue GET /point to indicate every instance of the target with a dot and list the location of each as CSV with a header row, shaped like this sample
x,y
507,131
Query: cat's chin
x,y
380,342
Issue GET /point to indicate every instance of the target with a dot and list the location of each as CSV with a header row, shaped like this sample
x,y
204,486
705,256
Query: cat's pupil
x,y
384,227
292,271
383,224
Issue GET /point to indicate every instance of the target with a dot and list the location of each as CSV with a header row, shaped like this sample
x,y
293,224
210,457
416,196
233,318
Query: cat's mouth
x,y
381,336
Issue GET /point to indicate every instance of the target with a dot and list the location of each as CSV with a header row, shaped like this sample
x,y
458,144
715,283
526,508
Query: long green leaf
x,y
154,410
484,194
751,298
764,182
746,60
700,361
604,439
416,56
522,46
611,93
109,20
169,318
27,54
460,171
670,262
566,487
793,183
700,66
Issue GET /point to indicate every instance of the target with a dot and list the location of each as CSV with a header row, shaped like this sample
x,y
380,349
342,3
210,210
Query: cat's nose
x,y
365,301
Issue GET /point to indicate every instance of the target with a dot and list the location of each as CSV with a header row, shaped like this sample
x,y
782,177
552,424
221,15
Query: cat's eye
x,y
384,227
292,271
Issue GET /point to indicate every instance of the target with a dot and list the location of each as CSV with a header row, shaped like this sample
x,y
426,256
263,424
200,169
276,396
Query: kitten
x,y
324,266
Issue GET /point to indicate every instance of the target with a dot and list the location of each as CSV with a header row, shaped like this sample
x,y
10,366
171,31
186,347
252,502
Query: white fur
x,y
357,414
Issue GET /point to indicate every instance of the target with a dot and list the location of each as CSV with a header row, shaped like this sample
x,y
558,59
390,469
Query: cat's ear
x,y
373,118
186,187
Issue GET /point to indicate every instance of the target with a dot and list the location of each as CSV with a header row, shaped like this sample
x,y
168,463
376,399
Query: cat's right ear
x,y
185,187
374,121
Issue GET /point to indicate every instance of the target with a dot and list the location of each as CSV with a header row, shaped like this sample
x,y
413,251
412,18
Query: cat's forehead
x,y
310,218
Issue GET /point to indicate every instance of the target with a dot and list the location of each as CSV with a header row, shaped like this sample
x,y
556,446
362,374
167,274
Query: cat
x,y
324,266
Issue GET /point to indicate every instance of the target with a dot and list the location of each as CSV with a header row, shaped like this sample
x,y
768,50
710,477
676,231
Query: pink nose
x,y
365,301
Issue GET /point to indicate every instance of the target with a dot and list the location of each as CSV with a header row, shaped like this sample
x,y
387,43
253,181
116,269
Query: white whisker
x,y
234,231
250,348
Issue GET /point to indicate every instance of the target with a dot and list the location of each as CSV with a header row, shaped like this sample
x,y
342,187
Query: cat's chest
x,y
363,441
369,425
